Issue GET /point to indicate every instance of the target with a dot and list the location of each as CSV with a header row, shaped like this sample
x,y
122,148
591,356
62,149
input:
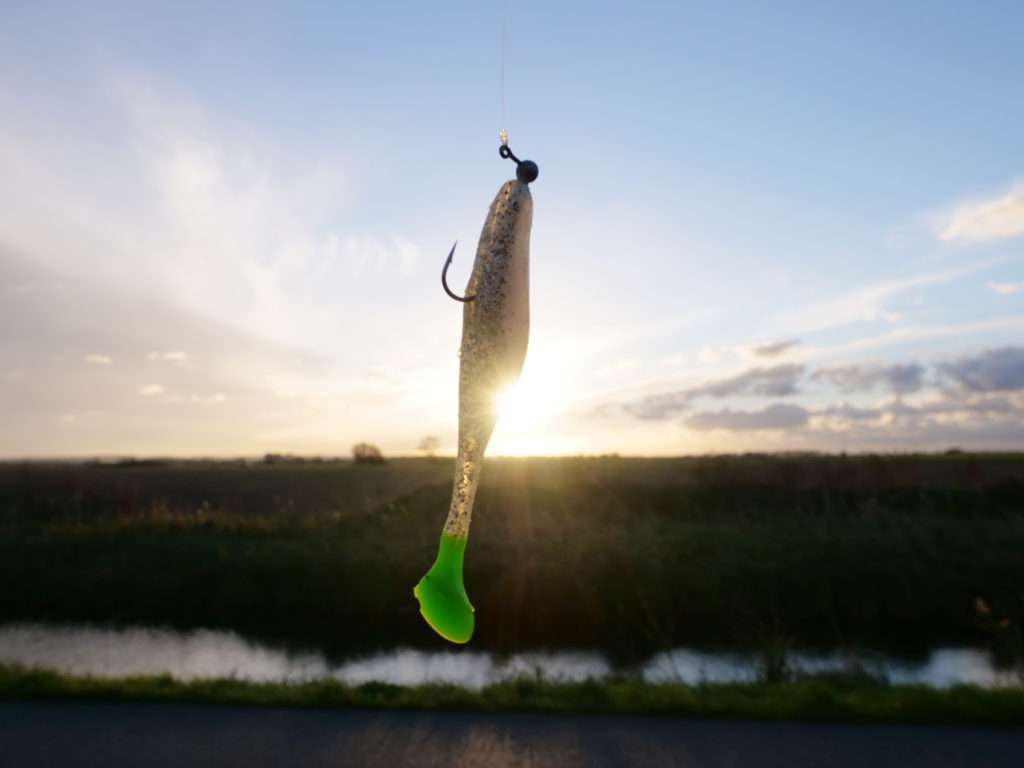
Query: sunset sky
x,y
755,228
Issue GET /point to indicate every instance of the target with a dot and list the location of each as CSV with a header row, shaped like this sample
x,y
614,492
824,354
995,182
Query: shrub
x,y
367,453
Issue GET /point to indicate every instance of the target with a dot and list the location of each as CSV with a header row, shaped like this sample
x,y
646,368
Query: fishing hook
x,y
444,278
526,172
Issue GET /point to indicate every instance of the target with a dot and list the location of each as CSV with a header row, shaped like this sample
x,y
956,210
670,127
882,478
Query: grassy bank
x,y
822,699
624,556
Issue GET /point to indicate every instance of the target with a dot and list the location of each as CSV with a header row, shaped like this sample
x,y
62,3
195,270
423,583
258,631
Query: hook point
x,y
444,278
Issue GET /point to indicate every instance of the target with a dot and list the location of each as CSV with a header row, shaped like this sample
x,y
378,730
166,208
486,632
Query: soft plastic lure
x,y
495,330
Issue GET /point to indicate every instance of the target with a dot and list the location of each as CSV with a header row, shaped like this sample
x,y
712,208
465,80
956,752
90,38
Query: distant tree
x,y
367,453
282,458
428,446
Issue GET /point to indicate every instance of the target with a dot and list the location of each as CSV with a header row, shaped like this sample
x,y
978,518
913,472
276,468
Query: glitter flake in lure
x,y
495,329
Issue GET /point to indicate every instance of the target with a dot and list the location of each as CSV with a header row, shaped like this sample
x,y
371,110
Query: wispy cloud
x,y
712,355
912,333
775,349
95,359
222,220
169,357
1006,289
993,218
151,390
868,303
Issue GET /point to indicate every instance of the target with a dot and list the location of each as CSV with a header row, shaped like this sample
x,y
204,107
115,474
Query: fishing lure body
x,y
495,331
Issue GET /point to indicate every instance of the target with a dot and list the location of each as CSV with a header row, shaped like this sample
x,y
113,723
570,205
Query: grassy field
x,y
627,556
842,699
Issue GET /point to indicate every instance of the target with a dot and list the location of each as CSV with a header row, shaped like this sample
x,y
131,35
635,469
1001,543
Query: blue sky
x,y
223,226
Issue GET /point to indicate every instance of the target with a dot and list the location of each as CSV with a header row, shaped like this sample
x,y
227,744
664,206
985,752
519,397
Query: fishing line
x,y
502,133
526,170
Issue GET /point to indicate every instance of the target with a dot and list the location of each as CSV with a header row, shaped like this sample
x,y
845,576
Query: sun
x,y
510,403
524,411
520,407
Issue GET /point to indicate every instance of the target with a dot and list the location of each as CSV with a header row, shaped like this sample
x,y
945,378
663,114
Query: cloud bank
x,y
775,381
994,218
778,416
975,399
996,370
900,379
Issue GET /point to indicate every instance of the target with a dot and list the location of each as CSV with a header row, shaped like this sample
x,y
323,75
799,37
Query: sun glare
x,y
522,407
523,411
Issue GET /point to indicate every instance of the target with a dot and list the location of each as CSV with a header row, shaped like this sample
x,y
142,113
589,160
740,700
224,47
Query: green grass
x,y
624,556
823,699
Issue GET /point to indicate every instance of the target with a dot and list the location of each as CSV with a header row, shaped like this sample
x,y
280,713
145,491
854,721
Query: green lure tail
x,y
442,595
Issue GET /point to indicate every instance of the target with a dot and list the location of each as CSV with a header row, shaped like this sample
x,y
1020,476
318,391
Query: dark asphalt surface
x,y
95,734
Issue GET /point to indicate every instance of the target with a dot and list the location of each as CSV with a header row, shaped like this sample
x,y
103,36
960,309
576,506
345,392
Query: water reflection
x,y
208,654
472,670
944,667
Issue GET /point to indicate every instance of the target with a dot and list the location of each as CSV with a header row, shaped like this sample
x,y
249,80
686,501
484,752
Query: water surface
x,y
203,654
